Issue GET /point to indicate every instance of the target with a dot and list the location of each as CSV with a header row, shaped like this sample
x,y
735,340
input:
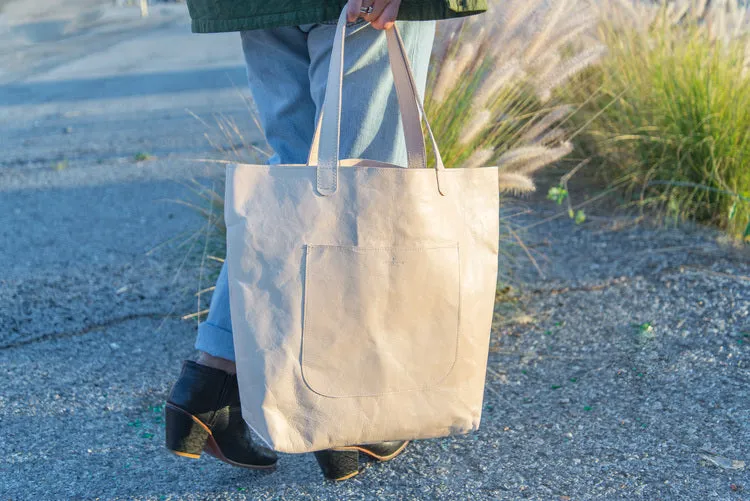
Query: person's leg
x,y
287,71
370,120
203,411
277,68
282,64
370,128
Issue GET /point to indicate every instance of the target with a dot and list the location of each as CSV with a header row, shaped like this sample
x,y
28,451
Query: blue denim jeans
x,y
287,70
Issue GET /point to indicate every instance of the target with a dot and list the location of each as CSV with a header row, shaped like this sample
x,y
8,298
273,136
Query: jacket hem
x,y
428,11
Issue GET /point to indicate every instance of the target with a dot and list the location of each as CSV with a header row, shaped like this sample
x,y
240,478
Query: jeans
x,y
287,71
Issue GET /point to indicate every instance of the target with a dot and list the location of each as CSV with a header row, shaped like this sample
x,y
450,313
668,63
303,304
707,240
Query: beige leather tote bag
x,y
361,292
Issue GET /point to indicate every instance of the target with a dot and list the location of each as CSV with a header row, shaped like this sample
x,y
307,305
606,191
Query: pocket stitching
x,y
357,249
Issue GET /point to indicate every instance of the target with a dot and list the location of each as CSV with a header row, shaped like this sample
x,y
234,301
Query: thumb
x,y
352,10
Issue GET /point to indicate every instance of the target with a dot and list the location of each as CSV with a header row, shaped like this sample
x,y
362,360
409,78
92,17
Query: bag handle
x,y
324,151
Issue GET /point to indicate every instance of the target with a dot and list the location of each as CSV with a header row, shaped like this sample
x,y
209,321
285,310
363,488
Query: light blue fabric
x,y
287,71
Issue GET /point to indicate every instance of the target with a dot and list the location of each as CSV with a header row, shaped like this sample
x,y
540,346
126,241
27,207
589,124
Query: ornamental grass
x,y
670,116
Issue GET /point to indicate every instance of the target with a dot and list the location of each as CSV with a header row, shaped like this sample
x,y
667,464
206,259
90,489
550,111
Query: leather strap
x,y
403,76
324,151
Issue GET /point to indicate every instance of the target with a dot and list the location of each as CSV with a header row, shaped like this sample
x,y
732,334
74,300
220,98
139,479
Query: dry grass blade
x,y
452,70
518,12
527,252
572,67
479,158
495,81
196,314
479,122
516,184
521,155
549,157
534,133
542,39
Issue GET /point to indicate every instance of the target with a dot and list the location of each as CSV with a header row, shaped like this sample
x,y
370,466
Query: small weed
x,y
573,380
644,332
588,408
142,156
556,386
557,194
135,424
146,434
61,165
580,217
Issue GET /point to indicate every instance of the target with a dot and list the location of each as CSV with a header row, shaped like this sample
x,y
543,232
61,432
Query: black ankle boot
x,y
343,462
203,414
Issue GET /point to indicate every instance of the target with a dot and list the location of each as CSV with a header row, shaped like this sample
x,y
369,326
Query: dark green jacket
x,y
211,16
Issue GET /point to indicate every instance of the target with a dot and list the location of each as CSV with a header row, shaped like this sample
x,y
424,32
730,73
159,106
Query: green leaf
x,y
571,214
746,234
580,217
557,194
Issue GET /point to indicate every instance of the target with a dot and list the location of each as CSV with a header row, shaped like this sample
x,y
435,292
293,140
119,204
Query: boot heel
x,y
338,465
186,436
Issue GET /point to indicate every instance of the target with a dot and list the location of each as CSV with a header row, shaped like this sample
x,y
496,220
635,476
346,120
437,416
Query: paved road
x,y
608,379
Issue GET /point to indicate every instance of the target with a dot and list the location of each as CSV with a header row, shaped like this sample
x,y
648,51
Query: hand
x,y
383,13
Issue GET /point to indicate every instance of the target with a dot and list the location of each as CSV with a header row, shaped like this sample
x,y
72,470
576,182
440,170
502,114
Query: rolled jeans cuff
x,y
215,341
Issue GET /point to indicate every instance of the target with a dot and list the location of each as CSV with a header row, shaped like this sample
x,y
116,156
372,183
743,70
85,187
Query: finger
x,y
378,6
352,10
386,19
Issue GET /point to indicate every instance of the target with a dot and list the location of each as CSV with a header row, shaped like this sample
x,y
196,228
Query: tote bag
x,y
361,292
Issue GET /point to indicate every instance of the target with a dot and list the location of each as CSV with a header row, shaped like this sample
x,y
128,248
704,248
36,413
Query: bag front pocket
x,y
379,320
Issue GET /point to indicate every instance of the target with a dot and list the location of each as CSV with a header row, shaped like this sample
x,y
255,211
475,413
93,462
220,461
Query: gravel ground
x,y
622,373
628,363
584,400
